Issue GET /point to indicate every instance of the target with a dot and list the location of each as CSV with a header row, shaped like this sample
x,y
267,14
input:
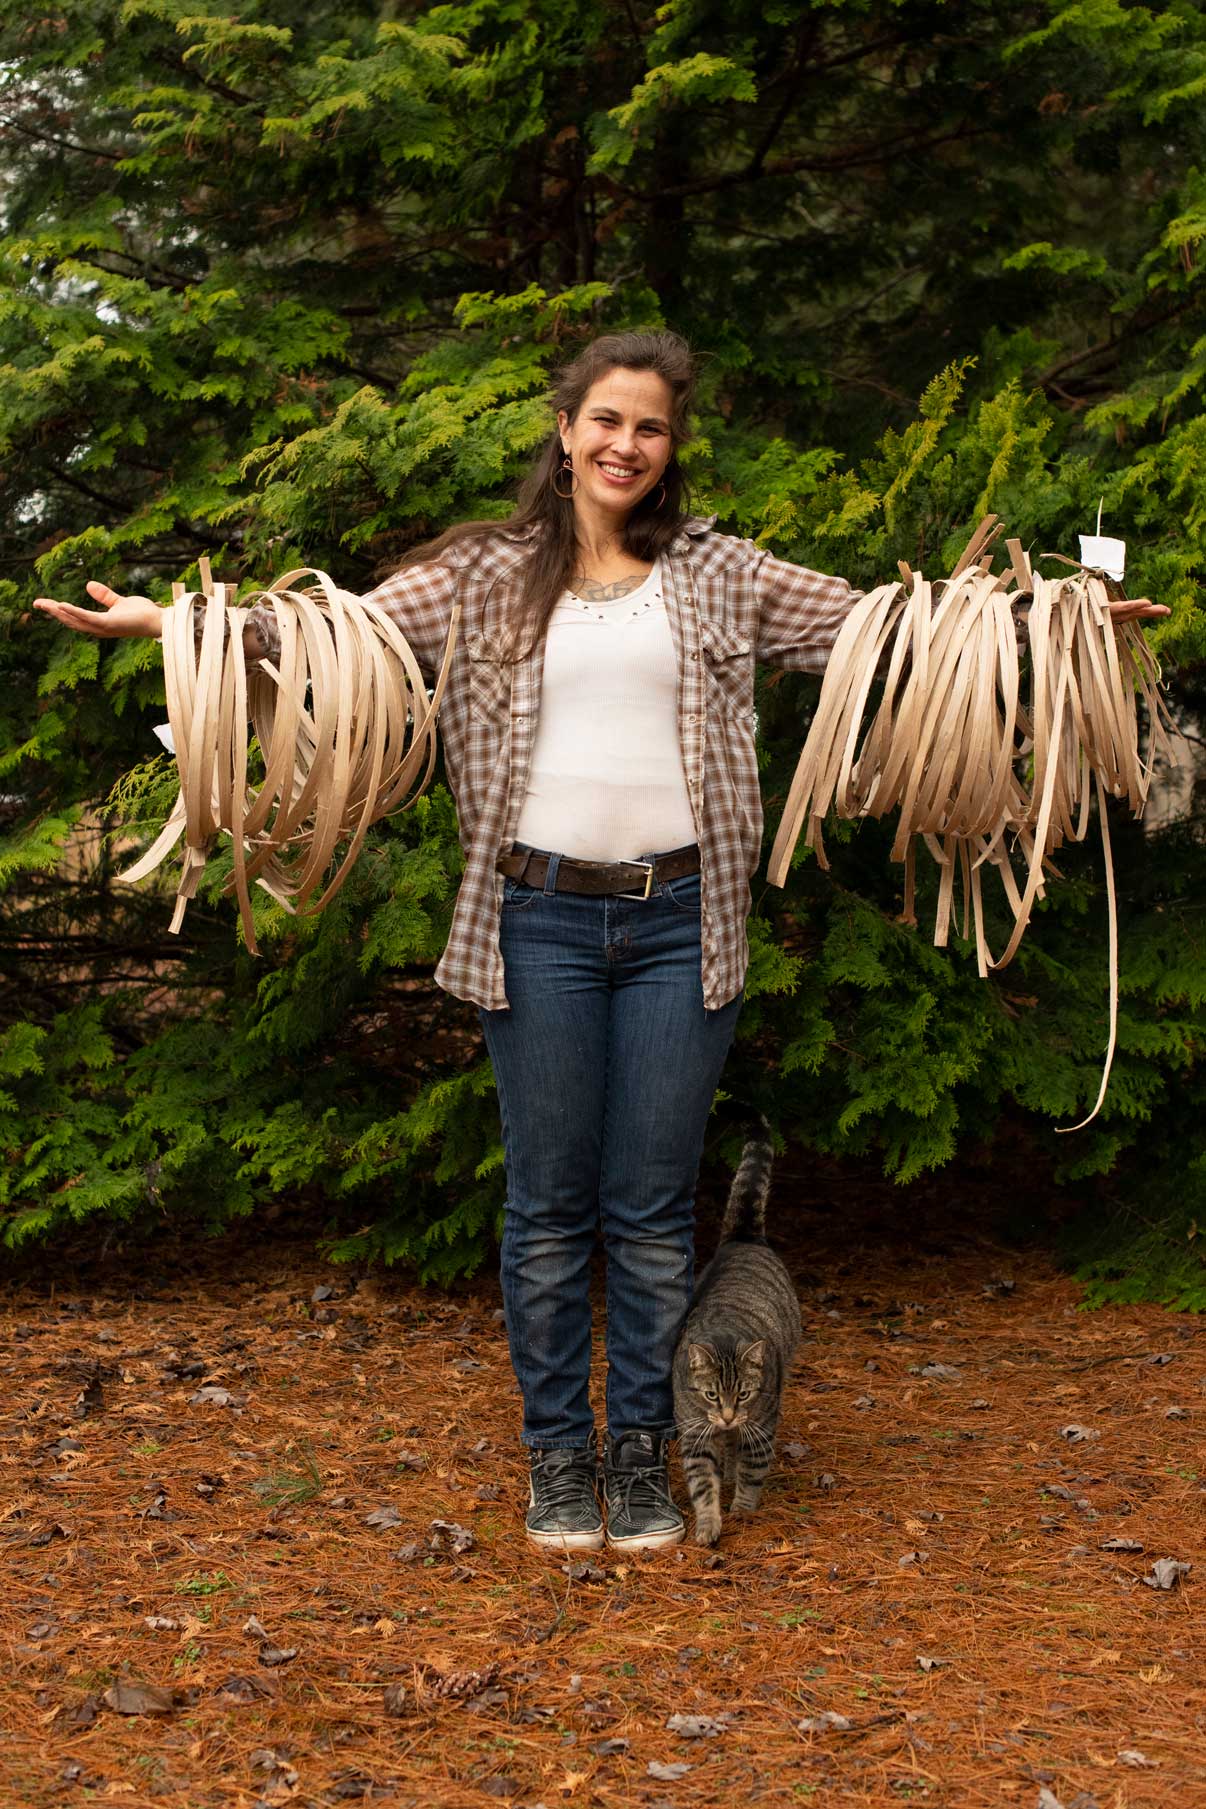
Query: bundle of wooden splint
x,y
345,726
984,769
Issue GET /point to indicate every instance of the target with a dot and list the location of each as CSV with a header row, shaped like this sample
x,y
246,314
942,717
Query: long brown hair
x,y
653,523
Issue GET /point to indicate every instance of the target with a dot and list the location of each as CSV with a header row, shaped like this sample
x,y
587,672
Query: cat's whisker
x,y
692,1437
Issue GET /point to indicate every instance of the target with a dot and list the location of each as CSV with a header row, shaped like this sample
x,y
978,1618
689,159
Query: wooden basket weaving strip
x,y
981,771
344,724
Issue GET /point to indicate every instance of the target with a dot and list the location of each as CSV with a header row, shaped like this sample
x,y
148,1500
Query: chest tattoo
x,y
590,590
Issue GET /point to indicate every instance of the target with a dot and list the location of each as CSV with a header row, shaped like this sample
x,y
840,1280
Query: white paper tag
x,y
1103,554
164,732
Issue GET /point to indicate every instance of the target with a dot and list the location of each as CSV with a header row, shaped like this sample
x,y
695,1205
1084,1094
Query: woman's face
x,y
620,439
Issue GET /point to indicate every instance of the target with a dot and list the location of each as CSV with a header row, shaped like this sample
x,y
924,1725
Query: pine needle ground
x,y
195,1456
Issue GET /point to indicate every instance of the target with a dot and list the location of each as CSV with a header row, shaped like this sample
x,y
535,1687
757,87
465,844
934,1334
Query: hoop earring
x,y
566,465
661,499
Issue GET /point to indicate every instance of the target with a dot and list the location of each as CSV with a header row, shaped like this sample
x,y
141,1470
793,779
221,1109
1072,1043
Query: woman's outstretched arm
x,y
125,618
800,613
119,618
418,600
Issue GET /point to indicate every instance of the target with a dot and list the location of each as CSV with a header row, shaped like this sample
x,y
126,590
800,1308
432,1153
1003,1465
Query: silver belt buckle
x,y
640,897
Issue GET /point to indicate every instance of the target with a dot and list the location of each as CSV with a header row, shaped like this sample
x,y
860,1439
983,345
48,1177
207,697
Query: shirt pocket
x,y
489,676
729,670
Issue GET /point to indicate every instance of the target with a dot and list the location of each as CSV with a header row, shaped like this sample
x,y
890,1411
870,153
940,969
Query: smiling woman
x,y
599,738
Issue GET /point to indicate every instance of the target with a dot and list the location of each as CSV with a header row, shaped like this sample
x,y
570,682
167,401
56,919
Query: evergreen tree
x,y
288,289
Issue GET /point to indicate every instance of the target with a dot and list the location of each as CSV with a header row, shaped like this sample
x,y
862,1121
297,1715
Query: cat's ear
x,y
701,1358
753,1355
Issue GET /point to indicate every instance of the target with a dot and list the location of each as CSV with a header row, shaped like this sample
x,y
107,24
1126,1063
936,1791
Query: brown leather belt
x,y
632,879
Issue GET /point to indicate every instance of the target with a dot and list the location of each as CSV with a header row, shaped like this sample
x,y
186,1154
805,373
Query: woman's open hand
x,y
122,618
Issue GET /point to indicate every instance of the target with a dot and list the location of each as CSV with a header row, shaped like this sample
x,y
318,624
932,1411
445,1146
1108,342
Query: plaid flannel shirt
x,y
730,603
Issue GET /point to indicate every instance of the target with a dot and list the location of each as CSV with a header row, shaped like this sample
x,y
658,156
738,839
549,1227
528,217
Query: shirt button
x,y
693,719
695,656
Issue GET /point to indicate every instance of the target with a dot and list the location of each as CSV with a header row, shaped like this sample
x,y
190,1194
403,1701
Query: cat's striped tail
x,y
745,1211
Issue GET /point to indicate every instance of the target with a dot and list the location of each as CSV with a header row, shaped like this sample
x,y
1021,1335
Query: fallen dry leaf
x,y
697,1727
139,1699
214,1396
1167,1573
828,1721
446,1535
383,1517
583,1571
245,1690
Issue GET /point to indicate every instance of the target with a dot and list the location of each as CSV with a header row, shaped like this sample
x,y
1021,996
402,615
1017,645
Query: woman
x,y
598,732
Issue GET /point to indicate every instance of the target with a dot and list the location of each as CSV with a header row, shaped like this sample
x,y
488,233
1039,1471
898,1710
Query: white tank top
x,y
606,781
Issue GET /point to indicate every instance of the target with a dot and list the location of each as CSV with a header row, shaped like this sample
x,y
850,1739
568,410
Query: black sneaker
x,y
564,1501
640,1510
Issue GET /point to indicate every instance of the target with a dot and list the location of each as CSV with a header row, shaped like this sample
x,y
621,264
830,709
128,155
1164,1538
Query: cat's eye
x,y
709,1394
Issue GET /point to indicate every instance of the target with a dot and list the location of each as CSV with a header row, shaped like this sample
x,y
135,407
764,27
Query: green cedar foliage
x,y
287,287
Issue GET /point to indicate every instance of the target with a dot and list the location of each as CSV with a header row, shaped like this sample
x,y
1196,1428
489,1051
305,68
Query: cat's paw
x,y
707,1530
743,1510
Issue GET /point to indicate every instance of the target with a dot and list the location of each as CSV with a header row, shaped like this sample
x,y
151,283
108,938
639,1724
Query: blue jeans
x,y
606,1065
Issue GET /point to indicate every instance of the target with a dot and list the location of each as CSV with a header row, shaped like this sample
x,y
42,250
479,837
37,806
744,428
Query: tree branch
x,y
855,158
62,144
167,279
632,24
118,509
1135,325
890,41
882,389
804,43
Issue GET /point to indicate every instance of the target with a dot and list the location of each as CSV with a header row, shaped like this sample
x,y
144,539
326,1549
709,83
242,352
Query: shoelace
x,y
563,1478
650,1480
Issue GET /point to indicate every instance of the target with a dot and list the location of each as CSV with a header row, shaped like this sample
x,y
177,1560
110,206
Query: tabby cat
x,y
734,1353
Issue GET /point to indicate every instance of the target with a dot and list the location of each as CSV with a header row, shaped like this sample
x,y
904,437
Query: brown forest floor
x,y
930,1563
